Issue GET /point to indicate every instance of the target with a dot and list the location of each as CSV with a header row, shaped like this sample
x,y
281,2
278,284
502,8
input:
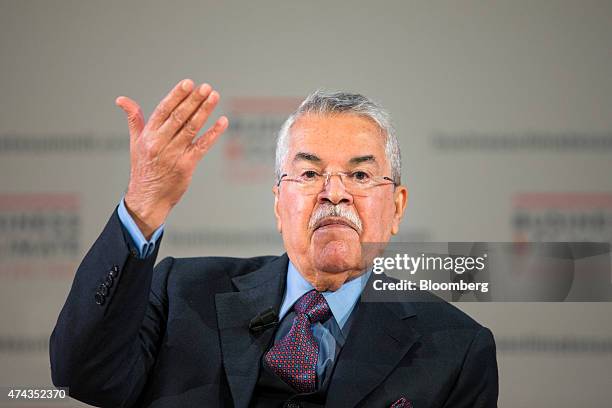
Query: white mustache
x,y
331,210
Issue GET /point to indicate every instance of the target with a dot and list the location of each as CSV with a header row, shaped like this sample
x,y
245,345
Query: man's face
x,y
325,248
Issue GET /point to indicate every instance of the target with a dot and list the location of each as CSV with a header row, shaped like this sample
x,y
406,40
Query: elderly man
x,y
291,330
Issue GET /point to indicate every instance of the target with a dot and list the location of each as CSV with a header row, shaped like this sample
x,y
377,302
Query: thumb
x,y
134,115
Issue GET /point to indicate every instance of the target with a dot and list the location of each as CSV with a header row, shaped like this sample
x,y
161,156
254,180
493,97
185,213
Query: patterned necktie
x,y
294,357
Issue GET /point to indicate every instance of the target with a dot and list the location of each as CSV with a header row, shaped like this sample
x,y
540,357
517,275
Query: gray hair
x,y
324,102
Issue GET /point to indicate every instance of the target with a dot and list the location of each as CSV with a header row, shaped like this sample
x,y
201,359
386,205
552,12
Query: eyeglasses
x,y
355,183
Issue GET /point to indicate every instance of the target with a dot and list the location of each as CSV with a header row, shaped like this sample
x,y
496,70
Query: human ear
x,y
401,200
276,192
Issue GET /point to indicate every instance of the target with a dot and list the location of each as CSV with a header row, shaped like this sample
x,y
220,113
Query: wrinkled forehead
x,y
339,140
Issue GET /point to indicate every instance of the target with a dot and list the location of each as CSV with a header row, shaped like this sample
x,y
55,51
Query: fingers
x,y
134,115
193,125
204,143
169,103
179,118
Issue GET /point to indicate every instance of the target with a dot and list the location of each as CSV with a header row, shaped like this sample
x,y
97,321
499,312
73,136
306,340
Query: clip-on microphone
x,y
264,320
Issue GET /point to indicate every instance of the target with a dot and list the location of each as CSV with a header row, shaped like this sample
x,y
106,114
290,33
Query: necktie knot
x,y
314,306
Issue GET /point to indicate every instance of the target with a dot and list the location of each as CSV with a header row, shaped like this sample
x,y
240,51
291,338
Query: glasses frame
x,y
378,180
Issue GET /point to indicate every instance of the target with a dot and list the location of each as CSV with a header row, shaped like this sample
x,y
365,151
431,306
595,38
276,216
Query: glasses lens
x,y
314,184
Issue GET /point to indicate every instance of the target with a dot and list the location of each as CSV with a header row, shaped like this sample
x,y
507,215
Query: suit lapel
x,y
242,350
380,337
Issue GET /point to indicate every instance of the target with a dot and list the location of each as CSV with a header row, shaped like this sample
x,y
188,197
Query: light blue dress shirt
x,y
341,302
331,334
144,247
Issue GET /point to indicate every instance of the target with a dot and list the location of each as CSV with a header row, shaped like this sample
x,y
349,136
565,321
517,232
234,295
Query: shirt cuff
x,y
144,247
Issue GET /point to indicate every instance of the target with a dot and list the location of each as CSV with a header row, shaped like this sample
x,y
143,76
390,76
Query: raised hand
x,y
164,152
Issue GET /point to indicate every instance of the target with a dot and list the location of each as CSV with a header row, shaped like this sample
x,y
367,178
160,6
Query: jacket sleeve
x,y
109,331
477,385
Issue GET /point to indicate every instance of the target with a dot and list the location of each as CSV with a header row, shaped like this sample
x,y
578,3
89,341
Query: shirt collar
x,y
341,302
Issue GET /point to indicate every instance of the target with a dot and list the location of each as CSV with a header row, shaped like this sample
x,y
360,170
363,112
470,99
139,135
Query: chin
x,y
337,257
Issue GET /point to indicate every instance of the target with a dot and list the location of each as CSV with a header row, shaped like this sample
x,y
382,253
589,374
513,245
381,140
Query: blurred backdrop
x,y
503,111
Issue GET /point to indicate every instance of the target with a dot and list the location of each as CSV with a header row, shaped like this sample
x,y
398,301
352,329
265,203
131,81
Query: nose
x,y
334,192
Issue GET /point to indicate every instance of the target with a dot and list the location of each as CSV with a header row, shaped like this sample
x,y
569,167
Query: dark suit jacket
x,y
177,336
